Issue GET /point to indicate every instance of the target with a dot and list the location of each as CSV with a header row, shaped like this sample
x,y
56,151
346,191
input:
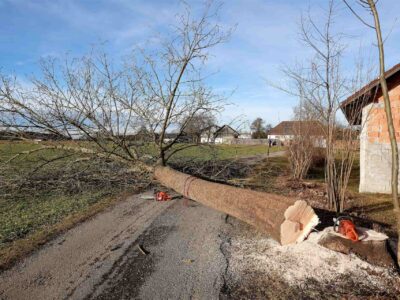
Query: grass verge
x,y
19,248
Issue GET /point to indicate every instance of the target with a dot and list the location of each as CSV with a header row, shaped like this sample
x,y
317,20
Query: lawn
x,y
224,152
67,191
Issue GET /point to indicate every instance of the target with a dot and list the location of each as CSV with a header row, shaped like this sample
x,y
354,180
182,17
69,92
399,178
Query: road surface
x,y
103,258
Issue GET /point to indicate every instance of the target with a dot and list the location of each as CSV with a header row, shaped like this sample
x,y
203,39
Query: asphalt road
x,y
104,258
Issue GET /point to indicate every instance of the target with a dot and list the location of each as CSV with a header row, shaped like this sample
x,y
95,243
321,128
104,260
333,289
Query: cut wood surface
x,y
371,250
284,219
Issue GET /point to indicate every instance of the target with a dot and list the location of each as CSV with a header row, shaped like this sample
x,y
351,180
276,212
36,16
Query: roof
x,y
314,128
209,128
353,105
228,129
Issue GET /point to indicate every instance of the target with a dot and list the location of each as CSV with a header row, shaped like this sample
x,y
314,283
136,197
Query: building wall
x,y
281,138
319,141
375,151
223,139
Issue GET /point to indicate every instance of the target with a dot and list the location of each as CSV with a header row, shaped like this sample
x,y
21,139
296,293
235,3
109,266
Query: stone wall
x,y
375,151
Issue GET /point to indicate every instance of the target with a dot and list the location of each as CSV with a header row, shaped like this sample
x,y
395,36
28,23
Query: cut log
x,y
284,219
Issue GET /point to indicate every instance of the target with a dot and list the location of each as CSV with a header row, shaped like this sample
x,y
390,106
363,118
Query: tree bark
x,y
284,219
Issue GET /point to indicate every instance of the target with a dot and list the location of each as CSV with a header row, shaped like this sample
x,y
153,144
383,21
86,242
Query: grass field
x,y
65,191
223,152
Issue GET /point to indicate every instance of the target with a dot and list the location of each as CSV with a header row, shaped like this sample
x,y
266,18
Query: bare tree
x,y
92,99
301,147
306,111
197,124
371,6
320,86
171,80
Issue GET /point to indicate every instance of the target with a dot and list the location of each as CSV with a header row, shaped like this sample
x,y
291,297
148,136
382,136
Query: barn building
x,y
219,135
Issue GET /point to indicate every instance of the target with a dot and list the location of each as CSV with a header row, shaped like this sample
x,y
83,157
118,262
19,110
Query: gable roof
x,y
353,105
210,128
314,128
226,128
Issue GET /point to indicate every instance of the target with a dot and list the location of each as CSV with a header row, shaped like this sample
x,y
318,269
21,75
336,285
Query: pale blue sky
x,y
266,37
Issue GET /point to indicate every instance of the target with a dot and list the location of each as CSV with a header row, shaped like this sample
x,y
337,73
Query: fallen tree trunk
x,y
284,219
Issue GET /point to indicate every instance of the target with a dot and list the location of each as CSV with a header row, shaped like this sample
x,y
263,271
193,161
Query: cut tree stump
x,y
373,250
284,219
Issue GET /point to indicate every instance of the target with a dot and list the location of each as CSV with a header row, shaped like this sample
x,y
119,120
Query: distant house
x,y
245,135
219,135
366,108
182,138
287,130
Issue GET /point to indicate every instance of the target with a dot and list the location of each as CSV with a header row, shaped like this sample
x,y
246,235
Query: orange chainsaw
x,y
162,196
345,226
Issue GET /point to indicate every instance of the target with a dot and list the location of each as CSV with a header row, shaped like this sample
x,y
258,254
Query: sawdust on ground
x,y
260,267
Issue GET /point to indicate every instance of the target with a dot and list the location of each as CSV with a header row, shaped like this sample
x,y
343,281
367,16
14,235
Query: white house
x,y
287,130
219,135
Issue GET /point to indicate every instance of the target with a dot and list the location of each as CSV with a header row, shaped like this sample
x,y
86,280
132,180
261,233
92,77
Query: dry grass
x,y
273,176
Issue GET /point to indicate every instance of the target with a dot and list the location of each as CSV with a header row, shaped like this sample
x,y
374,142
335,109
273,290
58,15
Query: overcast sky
x,y
266,37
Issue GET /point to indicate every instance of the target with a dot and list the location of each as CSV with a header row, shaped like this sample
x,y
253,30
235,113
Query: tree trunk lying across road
x,y
284,219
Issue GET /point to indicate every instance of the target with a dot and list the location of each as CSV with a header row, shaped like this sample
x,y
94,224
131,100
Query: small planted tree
x,y
321,86
301,147
301,151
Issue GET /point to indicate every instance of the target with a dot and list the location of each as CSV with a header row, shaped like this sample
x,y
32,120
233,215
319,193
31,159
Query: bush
x,y
301,151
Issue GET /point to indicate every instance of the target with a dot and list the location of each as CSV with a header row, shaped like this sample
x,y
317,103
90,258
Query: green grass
x,y
223,152
24,216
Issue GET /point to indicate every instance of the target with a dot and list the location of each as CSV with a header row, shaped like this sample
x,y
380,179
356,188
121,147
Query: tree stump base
x,y
373,250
